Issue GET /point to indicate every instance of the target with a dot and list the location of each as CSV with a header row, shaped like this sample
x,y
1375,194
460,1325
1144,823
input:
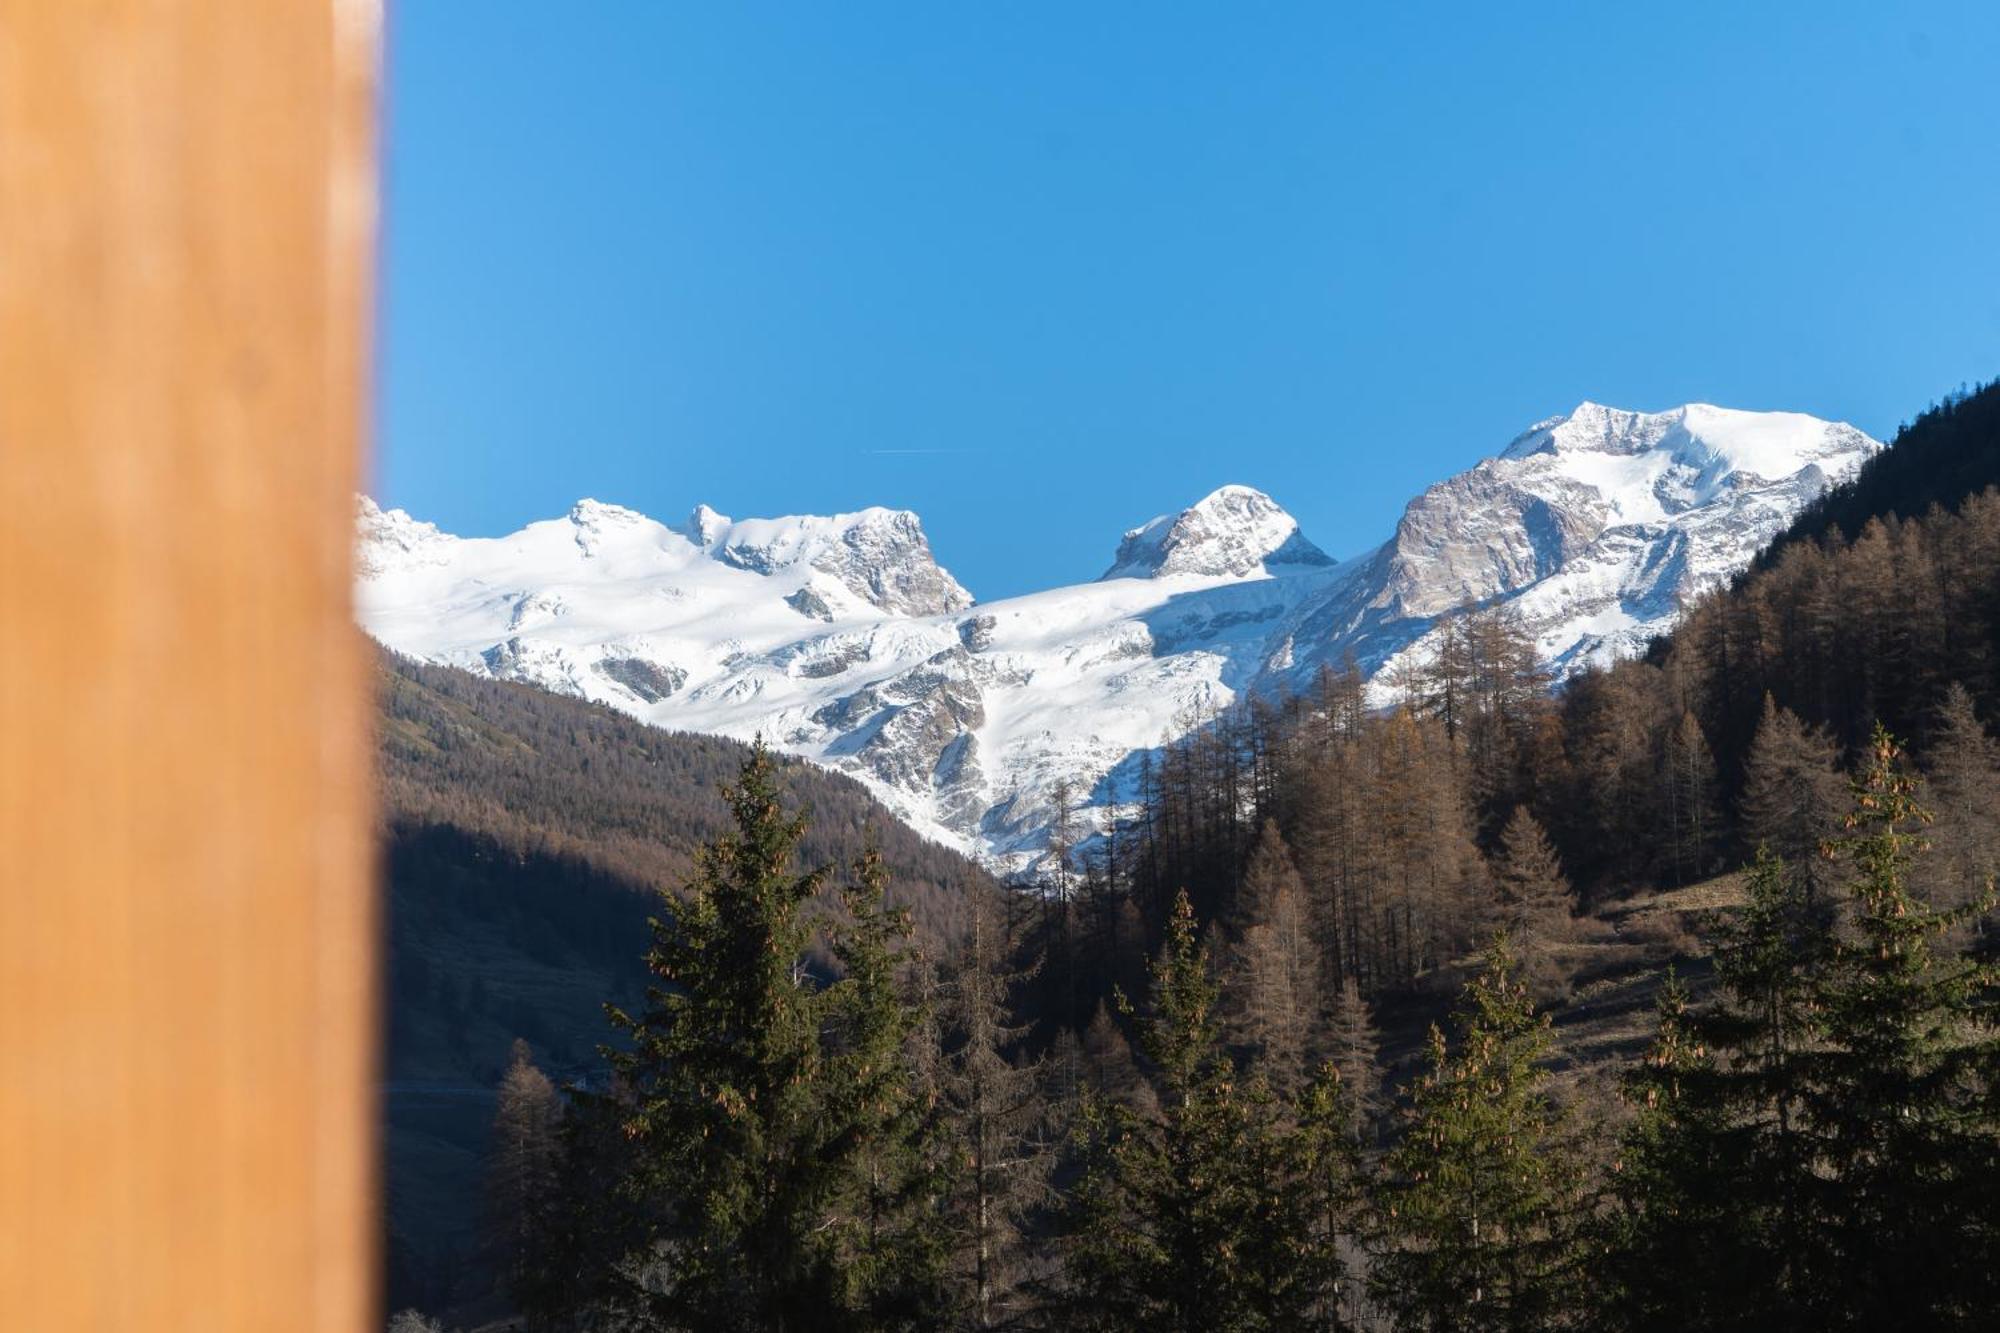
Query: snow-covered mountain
x,y
1233,533
843,639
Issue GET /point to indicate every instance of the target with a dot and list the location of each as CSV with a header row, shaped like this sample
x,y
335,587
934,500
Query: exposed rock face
x,y
977,633
1470,538
1230,533
879,555
809,603
391,539
1599,525
840,638
650,681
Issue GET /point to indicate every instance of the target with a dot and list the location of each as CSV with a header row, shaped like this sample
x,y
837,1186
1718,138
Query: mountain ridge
x,y
843,639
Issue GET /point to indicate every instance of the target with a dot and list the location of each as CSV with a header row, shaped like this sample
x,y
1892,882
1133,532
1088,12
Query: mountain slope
x,y
524,838
1597,527
843,640
486,781
1950,451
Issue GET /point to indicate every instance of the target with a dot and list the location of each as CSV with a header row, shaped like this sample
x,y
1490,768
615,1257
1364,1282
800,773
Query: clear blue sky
x,y
1041,271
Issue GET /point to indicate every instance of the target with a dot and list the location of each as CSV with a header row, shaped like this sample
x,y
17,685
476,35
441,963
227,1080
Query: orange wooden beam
x,y
187,195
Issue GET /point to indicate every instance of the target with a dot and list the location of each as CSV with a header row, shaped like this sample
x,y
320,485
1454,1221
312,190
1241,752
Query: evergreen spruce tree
x,y
1900,1090
768,1116
1476,1232
997,1122
1727,1167
1686,1246
891,1254
1326,1178
1822,1145
1203,1216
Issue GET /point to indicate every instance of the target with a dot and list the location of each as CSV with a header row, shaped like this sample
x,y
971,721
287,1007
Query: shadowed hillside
x,y
526,838
1951,451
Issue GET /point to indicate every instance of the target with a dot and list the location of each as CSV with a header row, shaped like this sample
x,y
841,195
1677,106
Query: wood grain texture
x,y
186,919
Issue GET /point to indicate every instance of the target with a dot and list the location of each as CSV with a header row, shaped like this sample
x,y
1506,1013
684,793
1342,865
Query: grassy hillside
x,y
1600,989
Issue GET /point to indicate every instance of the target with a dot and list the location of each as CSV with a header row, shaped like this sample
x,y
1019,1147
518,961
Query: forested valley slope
x,y
1253,1058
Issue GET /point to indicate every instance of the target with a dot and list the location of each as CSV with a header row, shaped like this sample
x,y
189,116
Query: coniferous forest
x,y
1661,1001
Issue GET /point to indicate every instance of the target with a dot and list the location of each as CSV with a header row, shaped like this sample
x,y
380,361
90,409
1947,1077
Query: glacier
x,y
842,639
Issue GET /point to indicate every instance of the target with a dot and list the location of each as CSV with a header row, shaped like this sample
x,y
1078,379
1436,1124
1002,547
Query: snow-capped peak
x,y
1232,532
705,528
1700,435
590,513
1601,477
377,521
841,639
390,539
881,555
599,525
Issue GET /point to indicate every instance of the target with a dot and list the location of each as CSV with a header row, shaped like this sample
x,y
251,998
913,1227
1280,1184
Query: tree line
x,y
1659,772
885,1145
1148,1091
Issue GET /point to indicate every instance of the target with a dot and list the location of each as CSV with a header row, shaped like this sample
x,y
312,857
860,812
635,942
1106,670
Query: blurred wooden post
x,y
187,194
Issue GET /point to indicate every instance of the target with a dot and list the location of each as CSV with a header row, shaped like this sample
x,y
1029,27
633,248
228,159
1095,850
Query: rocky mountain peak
x,y
880,555
390,538
1233,532
705,528
1595,427
597,522
588,512
840,638
1602,479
